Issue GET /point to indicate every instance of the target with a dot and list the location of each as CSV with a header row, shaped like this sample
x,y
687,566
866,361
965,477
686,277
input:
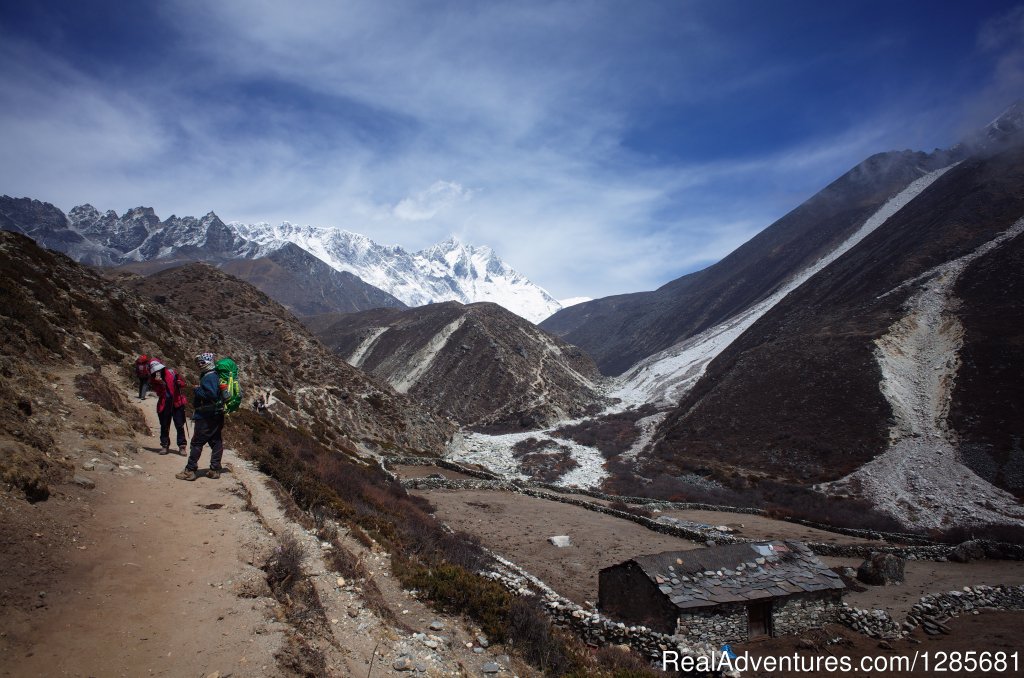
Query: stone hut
x,y
724,594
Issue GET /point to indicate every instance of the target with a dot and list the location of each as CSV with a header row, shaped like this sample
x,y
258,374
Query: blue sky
x,y
600,147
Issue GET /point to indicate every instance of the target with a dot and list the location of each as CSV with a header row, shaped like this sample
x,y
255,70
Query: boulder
x,y
968,551
882,569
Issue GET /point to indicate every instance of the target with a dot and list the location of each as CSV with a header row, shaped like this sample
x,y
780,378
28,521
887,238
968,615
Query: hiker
x,y
208,420
142,374
170,405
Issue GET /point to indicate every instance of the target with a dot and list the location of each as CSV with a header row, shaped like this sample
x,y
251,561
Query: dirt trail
x,y
148,587
147,575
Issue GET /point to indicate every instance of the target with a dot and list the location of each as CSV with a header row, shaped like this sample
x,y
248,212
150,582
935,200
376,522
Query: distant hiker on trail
x,y
209,420
142,374
169,387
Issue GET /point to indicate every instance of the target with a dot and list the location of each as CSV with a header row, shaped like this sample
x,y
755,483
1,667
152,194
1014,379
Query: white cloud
x,y
432,201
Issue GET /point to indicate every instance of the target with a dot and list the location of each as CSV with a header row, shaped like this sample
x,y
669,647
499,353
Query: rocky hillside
x,y
324,392
307,286
59,312
621,330
479,364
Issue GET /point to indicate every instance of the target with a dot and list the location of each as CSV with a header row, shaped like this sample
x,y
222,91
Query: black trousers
x,y
143,387
207,430
177,415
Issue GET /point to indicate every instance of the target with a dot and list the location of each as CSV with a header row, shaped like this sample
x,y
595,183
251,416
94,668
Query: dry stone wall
x,y
932,612
724,624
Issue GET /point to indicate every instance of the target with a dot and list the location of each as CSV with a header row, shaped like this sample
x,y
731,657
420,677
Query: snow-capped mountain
x,y
448,271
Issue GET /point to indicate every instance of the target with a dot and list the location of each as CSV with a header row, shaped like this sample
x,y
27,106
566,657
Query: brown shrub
x,y
620,505
547,648
621,662
284,569
453,589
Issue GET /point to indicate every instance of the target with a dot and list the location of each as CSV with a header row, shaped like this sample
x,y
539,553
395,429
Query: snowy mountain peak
x,y
450,270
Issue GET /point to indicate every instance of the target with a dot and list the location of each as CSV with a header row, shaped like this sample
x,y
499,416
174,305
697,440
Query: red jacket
x,y
168,390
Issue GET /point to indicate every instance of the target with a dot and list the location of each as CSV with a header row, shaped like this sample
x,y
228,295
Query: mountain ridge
x,y
447,271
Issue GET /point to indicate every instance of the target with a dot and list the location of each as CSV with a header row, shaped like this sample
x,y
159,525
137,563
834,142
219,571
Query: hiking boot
x,y
186,475
181,450
165,449
213,473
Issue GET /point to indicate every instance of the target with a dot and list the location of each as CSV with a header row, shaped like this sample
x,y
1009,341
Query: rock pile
x,y
873,623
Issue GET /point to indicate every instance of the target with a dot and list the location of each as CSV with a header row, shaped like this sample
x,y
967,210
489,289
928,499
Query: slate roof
x,y
738,573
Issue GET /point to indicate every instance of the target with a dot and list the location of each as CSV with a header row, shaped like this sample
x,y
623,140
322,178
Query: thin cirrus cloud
x,y
599,148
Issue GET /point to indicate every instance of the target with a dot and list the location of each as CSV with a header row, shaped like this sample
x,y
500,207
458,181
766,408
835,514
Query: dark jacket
x,y
207,399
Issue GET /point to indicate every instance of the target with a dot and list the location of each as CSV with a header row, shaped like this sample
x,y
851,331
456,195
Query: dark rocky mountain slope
x,y
308,286
618,331
480,364
918,321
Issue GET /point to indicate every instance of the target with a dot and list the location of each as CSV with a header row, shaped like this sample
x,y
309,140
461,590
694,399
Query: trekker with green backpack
x,y
218,392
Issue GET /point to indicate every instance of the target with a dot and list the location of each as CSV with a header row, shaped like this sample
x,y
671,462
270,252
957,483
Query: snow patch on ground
x,y
357,357
920,479
421,361
495,454
665,377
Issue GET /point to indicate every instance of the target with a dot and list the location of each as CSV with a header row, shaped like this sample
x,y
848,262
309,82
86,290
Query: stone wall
x,y
798,614
715,627
932,611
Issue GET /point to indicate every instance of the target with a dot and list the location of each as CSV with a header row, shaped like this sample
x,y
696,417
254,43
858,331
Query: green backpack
x,y
231,390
